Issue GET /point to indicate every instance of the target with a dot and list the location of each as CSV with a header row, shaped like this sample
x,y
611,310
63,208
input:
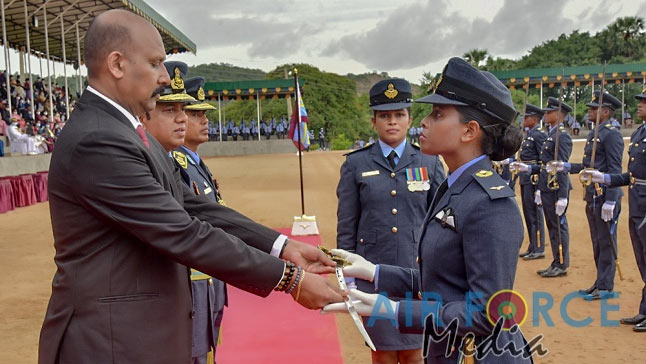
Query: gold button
x,y
419,294
210,282
361,240
632,159
394,211
392,174
393,193
417,260
394,229
636,144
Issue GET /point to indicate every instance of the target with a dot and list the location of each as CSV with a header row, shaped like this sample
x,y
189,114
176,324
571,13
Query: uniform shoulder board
x,y
180,158
415,145
358,150
611,127
493,184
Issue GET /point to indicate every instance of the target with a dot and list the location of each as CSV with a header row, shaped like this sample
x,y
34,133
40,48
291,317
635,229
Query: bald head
x,y
111,31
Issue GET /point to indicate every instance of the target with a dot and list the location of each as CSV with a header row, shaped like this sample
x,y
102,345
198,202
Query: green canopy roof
x,y
78,13
580,75
240,90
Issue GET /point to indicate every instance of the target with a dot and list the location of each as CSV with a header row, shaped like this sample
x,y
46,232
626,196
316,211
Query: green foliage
x,y
342,142
215,72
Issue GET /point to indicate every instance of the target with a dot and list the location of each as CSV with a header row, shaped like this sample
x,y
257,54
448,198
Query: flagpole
x,y
298,130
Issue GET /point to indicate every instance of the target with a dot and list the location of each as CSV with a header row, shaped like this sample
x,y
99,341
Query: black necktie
x,y
391,159
440,192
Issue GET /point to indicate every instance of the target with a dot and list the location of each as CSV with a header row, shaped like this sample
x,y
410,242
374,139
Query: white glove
x,y
519,167
561,204
537,198
350,282
360,267
594,176
505,161
365,304
557,166
607,210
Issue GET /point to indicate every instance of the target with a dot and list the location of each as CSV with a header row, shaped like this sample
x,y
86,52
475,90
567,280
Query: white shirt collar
x,y
133,120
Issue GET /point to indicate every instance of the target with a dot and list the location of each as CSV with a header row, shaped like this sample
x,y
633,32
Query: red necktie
x,y
142,135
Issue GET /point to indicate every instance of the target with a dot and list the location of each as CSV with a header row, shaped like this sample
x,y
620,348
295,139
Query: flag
x,y
299,114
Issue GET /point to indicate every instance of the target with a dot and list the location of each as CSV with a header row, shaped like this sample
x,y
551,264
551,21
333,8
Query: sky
x,y
404,38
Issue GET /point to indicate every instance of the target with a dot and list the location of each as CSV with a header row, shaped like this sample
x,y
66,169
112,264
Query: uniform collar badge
x,y
180,158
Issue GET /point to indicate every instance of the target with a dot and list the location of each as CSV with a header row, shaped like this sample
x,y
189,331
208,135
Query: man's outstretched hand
x,y
317,291
311,258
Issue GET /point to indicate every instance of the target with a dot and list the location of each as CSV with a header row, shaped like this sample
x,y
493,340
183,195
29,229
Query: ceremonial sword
x,y
552,181
340,262
587,181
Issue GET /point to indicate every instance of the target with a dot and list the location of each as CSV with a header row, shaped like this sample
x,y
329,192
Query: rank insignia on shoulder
x,y
180,158
483,173
497,188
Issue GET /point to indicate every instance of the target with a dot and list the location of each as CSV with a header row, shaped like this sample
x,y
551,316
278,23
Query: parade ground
x,y
266,188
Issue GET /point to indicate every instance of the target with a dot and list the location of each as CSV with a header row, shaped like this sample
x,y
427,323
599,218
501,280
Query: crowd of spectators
x,y
27,133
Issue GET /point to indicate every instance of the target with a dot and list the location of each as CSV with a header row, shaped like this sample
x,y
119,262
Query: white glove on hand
x,y
505,161
519,167
360,267
365,304
555,166
607,211
594,176
537,198
561,204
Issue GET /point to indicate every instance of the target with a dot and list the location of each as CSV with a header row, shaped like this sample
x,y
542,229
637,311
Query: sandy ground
x,y
266,187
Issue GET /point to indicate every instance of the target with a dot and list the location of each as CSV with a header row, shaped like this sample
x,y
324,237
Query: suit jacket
x,y
125,229
610,149
475,251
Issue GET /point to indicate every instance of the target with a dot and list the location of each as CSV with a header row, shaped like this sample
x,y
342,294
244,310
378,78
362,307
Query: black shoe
x,y
633,320
543,271
556,272
525,253
640,327
598,294
533,256
590,290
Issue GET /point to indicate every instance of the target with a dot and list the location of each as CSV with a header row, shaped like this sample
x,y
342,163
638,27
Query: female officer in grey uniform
x,y
384,192
636,179
472,233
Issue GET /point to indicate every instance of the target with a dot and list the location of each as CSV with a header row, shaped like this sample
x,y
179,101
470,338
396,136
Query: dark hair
x,y
500,140
374,112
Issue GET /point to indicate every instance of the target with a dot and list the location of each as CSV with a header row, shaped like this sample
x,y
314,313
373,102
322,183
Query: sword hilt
x,y
552,181
335,258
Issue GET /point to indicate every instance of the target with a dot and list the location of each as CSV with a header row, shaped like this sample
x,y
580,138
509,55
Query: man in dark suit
x,y
126,228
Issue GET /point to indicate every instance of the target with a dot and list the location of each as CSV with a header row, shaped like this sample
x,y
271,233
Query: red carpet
x,y
276,330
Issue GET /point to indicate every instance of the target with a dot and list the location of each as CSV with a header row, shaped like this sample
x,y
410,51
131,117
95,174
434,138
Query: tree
x,y
476,57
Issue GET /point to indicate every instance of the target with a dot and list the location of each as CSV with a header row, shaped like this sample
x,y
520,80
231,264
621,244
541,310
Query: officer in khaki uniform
x,y
384,192
209,294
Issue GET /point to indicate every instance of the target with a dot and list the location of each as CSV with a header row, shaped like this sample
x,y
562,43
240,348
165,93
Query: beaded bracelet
x,y
288,273
298,279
